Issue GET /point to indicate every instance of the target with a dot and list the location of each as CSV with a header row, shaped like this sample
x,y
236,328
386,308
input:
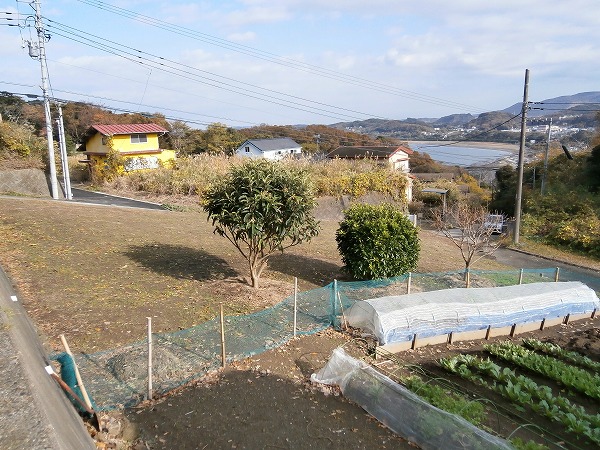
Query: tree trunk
x,y
254,276
467,276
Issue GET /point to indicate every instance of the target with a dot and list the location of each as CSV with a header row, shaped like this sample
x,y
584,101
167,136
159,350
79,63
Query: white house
x,y
396,157
275,149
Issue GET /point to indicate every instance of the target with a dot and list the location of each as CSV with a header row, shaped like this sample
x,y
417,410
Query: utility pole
x,y
543,188
519,195
63,154
39,26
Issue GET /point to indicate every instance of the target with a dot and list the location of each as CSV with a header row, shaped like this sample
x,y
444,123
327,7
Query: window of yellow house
x,y
104,140
139,138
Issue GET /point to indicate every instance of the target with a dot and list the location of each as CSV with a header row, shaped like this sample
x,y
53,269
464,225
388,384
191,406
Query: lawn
x,y
94,273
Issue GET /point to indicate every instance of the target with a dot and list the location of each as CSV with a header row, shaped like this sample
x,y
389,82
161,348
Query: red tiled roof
x,y
111,130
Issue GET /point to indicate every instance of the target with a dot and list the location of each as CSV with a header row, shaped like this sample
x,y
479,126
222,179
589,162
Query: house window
x,y
104,140
247,149
139,138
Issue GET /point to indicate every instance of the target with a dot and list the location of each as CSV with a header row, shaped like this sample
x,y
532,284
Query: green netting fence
x,y
118,378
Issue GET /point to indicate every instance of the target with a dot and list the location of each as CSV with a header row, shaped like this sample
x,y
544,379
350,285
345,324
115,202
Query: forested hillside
x,y
217,138
561,206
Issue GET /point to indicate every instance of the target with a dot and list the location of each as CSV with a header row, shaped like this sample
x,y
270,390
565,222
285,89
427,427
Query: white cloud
x,y
242,37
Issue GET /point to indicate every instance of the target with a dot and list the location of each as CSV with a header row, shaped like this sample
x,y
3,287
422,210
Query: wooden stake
x,y
84,393
343,322
556,274
295,303
408,282
223,359
414,342
488,332
521,276
543,324
150,393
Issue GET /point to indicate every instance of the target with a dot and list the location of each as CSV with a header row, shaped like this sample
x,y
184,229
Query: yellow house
x,y
136,143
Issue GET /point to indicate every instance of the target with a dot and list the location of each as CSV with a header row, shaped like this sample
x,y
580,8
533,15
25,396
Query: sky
x,y
284,62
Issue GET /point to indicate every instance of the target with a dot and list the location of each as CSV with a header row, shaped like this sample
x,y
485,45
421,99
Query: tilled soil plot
x,y
503,417
268,401
264,402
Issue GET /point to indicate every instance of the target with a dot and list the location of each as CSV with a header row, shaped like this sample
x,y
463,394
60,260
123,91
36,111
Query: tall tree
x,y
262,207
503,198
221,139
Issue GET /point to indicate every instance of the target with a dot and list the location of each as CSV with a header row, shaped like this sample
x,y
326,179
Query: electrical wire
x,y
167,117
476,135
187,72
187,93
273,58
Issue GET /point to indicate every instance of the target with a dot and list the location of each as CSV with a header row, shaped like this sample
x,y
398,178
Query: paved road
x,y
34,411
98,198
567,272
524,260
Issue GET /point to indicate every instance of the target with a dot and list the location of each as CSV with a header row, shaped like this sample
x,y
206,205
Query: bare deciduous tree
x,y
465,225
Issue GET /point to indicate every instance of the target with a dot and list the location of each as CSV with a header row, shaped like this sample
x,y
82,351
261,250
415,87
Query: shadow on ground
x,y
181,262
315,271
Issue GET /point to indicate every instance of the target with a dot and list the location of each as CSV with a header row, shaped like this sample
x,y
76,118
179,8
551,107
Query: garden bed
x,y
563,414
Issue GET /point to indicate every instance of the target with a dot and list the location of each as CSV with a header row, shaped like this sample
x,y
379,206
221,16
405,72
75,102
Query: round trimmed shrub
x,y
377,242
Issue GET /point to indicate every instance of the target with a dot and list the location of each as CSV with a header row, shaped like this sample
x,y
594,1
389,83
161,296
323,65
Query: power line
x,y
481,133
184,71
167,117
187,93
273,58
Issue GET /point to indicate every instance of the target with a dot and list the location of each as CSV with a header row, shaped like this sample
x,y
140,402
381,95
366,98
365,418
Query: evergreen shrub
x,y
377,242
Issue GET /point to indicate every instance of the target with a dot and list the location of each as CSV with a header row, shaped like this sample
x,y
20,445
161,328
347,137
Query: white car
x,y
494,223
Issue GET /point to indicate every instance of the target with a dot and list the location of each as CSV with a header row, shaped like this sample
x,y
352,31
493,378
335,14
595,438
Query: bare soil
x,y
96,273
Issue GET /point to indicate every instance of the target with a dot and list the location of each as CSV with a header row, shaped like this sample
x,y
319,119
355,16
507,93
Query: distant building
x,y
274,149
396,157
136,143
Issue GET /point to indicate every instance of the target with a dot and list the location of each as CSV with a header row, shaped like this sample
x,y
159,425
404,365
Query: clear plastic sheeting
x,y
400,410
399,318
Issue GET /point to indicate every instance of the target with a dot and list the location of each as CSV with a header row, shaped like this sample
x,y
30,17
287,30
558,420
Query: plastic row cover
x,y
400,410
399,318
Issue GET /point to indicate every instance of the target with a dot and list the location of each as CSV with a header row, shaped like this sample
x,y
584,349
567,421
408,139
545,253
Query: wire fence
x,y
118,378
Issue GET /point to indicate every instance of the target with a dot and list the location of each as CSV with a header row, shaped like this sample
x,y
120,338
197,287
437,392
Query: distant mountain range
x,y
562,103
568,111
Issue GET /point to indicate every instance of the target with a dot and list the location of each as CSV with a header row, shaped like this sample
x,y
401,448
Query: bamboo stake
x,y
343,322
222,335
150,393
295,303
84,393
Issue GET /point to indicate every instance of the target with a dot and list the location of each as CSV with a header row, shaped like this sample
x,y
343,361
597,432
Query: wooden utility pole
x,y
519,194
